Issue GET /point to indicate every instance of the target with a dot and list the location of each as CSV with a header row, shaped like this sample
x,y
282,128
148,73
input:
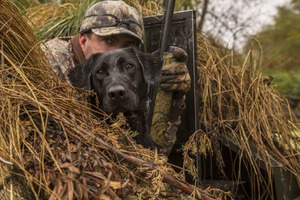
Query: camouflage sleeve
x,y
170,137
169,133
60,56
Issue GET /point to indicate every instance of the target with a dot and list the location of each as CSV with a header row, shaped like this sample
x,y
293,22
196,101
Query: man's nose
x,y
117,93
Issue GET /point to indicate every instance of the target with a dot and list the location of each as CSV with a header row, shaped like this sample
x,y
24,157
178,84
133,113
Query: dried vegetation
x,y
51,143
63,151
53,147
238,105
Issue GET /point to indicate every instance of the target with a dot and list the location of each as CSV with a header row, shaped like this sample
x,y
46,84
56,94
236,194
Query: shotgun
x,y
157,114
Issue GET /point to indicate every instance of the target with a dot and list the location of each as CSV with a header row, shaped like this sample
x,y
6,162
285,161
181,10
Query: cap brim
x,y
107,31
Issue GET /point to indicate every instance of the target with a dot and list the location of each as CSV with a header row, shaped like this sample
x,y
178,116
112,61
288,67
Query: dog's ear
x,y
80,75
151,65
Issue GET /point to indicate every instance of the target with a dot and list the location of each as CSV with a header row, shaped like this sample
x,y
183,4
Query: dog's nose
x,y
117,92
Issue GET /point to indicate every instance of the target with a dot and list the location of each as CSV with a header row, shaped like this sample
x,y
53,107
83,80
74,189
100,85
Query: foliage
x,y
281,49
23,5
288,82
51,20
281,41
65,23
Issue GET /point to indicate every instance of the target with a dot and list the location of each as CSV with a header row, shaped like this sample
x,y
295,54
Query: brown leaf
x,y
70,190
114,184
104,197
57,190
78,189
85,190
62,194
96,174
72,147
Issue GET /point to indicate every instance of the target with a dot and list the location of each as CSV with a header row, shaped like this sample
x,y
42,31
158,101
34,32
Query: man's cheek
x,y
98,49
88,52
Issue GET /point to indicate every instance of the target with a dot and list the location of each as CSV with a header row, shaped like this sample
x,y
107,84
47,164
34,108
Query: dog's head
x,y
120,78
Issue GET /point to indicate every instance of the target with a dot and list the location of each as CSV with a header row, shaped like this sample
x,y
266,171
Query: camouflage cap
x,y
112,18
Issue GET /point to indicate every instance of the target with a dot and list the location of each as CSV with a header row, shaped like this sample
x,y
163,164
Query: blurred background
x,y
270,28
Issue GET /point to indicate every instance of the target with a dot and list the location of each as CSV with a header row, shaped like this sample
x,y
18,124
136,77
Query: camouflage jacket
x,y
60,55
63,56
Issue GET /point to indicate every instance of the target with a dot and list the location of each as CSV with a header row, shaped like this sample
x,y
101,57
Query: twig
x,y
204,11
5,161
11,167
188,189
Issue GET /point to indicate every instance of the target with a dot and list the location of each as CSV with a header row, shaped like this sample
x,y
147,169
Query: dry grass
x,y
237,102
50,138
37,110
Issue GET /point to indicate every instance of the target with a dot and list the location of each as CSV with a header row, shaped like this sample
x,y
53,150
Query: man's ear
x,y
151,65
83,39
80,76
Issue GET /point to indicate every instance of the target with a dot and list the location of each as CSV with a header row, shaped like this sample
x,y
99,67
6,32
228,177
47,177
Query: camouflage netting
x,y
52,147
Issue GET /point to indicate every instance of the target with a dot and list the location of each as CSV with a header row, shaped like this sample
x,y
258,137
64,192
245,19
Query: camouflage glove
x,y
175,76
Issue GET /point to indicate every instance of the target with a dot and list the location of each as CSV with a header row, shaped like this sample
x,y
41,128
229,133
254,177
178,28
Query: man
x,y
109,25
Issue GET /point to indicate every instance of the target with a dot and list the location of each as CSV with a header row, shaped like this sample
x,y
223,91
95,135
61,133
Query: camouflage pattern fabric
x,y
107,18
175,76
161,112
170,137
174,80
60,56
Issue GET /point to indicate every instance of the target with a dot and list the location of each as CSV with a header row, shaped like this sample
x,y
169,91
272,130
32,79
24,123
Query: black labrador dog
x,y
121,80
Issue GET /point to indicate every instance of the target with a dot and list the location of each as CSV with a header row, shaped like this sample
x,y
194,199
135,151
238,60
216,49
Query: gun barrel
x,y
167,25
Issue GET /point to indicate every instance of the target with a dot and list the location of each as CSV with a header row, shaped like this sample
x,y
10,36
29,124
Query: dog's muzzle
x,y
117,93
119,99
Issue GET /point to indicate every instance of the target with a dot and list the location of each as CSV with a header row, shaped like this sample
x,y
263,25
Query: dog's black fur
x,y
121,79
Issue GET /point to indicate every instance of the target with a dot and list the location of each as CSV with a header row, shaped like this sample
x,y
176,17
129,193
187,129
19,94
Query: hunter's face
x,y
98,44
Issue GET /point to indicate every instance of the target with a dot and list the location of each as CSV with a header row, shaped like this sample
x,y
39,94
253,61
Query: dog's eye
x,y
129,66
100,72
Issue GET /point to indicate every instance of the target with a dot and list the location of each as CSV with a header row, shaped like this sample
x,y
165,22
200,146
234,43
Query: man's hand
x,y
175,76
